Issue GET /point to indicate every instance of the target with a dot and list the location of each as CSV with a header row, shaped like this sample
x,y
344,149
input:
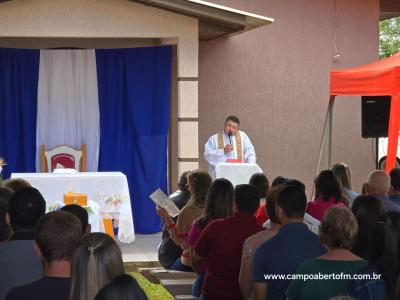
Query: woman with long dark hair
x,y
219,204
123,287
261,182
383,261
327,193
368,211
251,244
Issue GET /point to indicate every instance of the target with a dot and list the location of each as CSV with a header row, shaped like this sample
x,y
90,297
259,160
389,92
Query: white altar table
x,y
108,193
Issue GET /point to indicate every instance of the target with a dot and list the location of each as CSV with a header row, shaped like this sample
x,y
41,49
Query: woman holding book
x,y
198,183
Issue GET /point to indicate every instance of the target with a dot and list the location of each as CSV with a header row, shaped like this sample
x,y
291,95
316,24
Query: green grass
x,y
153,291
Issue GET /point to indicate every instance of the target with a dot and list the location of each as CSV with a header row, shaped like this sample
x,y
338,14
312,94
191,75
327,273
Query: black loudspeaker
x,y
375,116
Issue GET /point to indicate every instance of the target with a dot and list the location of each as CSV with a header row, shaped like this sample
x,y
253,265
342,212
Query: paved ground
x,y
144,248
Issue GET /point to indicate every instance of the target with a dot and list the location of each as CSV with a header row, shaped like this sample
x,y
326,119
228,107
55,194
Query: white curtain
x,y
68,105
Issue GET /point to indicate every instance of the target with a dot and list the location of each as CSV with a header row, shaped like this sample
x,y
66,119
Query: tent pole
x,y
321,146
324,134
330,129
393,133
376,153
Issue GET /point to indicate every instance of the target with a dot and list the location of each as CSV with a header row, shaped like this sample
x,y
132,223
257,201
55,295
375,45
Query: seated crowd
x,y
54,255
261,241
252,241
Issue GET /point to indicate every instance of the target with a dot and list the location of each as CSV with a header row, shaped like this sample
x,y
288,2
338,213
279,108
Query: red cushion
x,y
67,160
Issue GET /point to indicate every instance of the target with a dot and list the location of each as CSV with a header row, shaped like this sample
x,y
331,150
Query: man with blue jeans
x,y
282,254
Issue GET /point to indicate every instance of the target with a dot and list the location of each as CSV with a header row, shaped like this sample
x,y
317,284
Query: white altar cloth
x,y
237,173
108,189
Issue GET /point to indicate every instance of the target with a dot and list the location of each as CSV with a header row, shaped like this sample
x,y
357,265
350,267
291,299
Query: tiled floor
x,y
144,248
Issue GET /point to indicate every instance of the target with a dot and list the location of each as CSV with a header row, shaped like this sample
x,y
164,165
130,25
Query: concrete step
x,y
146,272
160,274
185,297
178,286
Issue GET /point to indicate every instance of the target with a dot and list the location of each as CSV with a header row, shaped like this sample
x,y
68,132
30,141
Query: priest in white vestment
x,y
231,145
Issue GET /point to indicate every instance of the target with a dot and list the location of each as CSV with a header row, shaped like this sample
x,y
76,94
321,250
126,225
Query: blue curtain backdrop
x,y
134,99
19,73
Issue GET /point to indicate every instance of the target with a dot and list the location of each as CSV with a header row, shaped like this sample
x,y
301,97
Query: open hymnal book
x,y
163,201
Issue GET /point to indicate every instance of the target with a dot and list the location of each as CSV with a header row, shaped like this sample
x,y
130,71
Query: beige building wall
x,y
276,79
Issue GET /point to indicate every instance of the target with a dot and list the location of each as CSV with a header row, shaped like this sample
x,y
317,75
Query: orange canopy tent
x,y
381,78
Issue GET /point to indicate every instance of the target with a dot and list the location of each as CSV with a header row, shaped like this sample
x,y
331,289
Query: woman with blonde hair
x,y
338,232
96,262
199,182
342,174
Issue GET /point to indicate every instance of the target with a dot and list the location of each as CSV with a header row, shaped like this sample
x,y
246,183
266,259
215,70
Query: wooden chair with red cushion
x,y
63,156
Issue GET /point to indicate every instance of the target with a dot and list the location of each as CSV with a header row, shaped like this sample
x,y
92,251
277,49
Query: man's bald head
x,y
378,182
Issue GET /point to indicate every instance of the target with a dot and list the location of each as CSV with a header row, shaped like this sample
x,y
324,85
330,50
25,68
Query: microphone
x,y
230,137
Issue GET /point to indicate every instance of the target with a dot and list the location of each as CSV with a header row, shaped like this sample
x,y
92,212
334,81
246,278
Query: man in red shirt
x,y
222,242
